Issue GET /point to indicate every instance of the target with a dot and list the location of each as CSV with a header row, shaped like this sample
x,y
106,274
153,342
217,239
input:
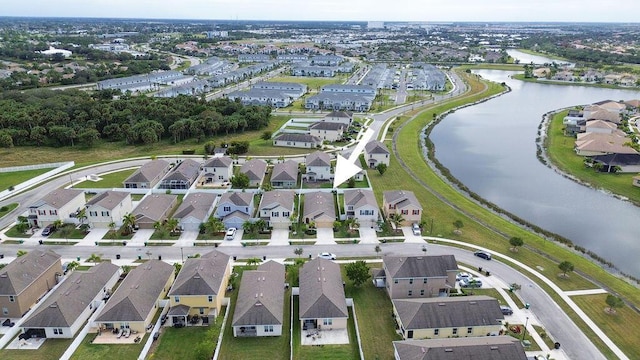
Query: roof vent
x,y
441,304
448,350
494,348
472,303
4,275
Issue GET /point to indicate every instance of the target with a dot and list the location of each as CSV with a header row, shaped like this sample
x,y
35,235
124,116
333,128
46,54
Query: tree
x,y
458,224
94,258
515,243
65,231
249,227
57,224
125,269
172,225
129,222
177,267
266,135
21,253
397,219
240,181
378,249
357,272
351,183
566,267
253,261
614,302
298,251
214,225
82,215
382,168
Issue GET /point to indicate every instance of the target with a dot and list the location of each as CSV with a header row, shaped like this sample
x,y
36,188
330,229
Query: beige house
x,y
343,117
419,276
276,208
218,169
323,304
318,167
194,210
402,202
484,348
196,296
108,207
297,140
154,208
376,152
148,175
319,208
255,169
137,299
26,279
327,131
59,204
592,144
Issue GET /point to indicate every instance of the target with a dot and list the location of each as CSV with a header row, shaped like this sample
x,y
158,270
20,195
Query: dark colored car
x,y
482,254
506,310
48,230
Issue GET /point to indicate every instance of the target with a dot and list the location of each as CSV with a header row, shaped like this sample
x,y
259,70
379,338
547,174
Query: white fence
x,y
31,167
35,180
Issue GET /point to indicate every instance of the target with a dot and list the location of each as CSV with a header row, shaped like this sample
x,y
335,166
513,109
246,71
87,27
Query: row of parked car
x,y
466,280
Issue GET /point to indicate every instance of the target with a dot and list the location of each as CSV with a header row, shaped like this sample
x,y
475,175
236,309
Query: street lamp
x,y
182,254
524,333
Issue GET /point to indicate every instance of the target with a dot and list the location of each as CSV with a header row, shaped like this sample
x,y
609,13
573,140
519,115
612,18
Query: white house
x,y
218,169
59,204
343,117
297,140
329,131
361,204
108,207
318,166
234,208
376,152
276,208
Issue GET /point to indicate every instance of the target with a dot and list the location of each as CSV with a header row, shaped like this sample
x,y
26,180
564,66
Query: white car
x,y
231,233
328,256
416,229
463,275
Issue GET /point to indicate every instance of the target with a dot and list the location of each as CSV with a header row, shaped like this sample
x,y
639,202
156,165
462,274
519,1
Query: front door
x,y
410,334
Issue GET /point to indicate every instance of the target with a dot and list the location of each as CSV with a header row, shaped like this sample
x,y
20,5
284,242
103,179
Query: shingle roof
x,y
236,198
201,276
59,197
338,114
321,290
376,147
261,297
137,295
318,158
186,170
271,199
401,198
286,171
222,161
359,198
476,348
319,203
155,206
448,312
254,169
419,266
326,125
23,271
148,171
297,138
196,205
63,307
108,199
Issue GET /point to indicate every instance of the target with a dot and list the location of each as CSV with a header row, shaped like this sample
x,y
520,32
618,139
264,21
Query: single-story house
x,y
195,209
488,347
285,175
319,208
628,163
297,140
255,169
182,176
154,208
322,303
148,175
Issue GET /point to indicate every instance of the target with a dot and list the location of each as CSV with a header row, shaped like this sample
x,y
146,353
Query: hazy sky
x,y
360,10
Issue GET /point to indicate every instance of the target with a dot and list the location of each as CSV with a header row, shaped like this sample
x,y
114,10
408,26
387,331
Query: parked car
x,y
416,229
482,254
470,283
48,230
506,310
463,275
231,233
328,256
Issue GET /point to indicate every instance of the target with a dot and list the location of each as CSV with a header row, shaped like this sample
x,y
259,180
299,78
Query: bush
x,y
188,152
3,209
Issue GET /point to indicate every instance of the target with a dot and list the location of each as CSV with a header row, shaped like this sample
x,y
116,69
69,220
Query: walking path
x,y
586,292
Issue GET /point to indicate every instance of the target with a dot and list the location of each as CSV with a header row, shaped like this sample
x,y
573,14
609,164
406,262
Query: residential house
x,y
69,306
148,175
234,208
137,299
340,101
322,304
318,166
251,58
326,60
182,176
294,90
297,140
361,204
319,209
199,289
376,152
342,117
194,210
596,112
154,208
285,175
600,126
419,276
303,69
108,207
592,144
480,348
259,309
623,163
612,106
263,97
403,202
328,131
463,316
218,169
255,169
60,204
27,279
276,208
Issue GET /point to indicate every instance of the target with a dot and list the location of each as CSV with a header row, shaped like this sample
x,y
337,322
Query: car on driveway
x,y
416,229
328,256
482,254
231,233
470,283
463,275
48,230
506,310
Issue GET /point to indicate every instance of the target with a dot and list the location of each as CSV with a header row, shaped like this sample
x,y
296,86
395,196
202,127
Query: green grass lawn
x,y
313,83
570,83
14,178
7,209
195,342
12,232
89,351
112,180
164,235
72,233
52,349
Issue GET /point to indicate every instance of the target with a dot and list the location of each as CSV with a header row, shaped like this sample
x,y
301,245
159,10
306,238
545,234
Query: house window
x,y
469,330
12,298
268,328
424,281
105,213
93,213
55,331
422,292
42,212
53,212
455,331
201,311
411,281
176,299
327,322
5,311
405,212
226,208
285,214
210,298
275,214
366,212
395,281
436,332
415,212
410,293
221,177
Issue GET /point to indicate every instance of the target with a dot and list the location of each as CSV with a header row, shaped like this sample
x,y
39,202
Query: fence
x,y
35,180
32,167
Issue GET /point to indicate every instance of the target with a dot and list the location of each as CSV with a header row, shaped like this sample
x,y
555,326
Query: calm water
x,y
491,148
528,59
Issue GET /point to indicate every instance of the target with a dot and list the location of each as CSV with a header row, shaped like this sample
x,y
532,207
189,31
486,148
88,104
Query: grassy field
x,y
89,351
112,180
507,67
52,349
550,56
14,178
313,83
196,342
561,153
7,209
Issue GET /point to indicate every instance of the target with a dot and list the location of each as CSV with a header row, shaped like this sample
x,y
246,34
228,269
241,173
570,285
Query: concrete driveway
x,y
279,237
140,237
96,234
237,240
325,237
368,235
409,237
187,238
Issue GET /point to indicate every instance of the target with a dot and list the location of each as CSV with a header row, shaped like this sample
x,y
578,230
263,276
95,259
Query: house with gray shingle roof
x,y
154,208
276,208
259,309
480,348
329,131
108,207
148,175
343,117
318,166
218,169
56,205
376,152
322,303
66,310
137,299
234,208
419,276
255,169
182,176
361,204
26,279
463,316
404,203
285,175
195,209
297,140
319,208
199,288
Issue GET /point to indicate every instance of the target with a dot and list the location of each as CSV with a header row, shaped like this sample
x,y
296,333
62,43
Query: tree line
x,y
72,117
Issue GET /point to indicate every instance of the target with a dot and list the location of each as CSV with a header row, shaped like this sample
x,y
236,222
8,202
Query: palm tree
x,y
260,224
396,219
21,253
94,258
249,227
57,224
129,222
214,225
172,225
82,215
112,229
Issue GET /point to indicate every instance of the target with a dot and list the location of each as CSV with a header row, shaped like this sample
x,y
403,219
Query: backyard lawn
x,y
313,83
52,349
14,178
112,180
89,351
195,342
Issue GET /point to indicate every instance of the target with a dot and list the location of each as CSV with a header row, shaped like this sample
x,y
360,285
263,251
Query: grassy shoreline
x,y
569,83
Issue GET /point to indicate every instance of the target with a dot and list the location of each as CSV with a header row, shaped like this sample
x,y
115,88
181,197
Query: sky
x,y
341,10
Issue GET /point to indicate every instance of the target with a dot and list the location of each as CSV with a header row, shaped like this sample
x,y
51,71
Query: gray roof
x,y
63,307
348,88
186,170
321,290
148,171
476,348
254,169
271,199
401,198
236,198
108,199
137,294
319,203
201,276
318,158
360,197
196,205
222,161
448,312
419,266
261,297
155,206
286,171
297,138
376,147
338,114
23,271
58,198
327,125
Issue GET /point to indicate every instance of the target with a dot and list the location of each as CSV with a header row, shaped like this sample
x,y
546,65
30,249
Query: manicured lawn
x,y
72,233
52,349
7,209
136,197
313,83
112,180
196,342
89,351
14,178
12,232
164,235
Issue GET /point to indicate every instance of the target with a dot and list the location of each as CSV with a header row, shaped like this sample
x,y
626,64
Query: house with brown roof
x,y
319,208
600,126
402,202
137,299
110,206
276,208
285,175
67,309
419,276
476,348
154,208
592,144
148,175
182,176
218,169
197,294
195,209
318,167
259,310
59,204
234,208
255,169
376,152
26,279
322,303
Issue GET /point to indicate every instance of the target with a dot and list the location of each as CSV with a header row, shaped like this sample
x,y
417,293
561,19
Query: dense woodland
x,y
76,118
564,48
